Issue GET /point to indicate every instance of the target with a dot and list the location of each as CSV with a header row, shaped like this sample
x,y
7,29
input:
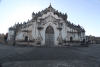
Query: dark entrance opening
x,y
71,38
49,36
26,38
84,41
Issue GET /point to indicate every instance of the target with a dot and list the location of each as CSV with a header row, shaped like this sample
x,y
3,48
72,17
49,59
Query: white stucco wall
x,y
10,34
75,37
63,31
49,21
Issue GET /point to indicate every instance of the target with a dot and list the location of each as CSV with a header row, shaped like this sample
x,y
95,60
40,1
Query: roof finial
x,y
50,6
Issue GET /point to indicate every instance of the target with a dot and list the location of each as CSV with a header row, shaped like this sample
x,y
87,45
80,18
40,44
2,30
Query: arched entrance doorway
x,y
26,38
71,38
49,36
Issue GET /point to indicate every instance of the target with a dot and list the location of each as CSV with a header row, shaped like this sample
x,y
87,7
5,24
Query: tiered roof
x,y
50,9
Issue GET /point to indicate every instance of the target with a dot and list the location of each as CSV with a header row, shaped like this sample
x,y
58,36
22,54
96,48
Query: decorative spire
x,y
50,3
50,7
50,12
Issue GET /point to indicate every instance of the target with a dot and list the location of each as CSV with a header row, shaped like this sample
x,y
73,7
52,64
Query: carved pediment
x,y
49,14
50,17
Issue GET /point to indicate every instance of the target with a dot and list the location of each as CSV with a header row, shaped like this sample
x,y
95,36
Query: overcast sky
x,y
86,13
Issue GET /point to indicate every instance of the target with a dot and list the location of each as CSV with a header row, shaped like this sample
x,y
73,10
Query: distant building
x,y
48,27
93,39
1,37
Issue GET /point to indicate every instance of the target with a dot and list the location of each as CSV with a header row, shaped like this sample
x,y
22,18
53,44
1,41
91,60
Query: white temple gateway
x,y
48,27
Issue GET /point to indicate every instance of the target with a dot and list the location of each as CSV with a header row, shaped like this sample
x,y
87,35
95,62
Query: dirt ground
x,y
27,56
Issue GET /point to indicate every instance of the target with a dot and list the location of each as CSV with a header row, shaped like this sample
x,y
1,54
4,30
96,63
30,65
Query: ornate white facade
x,y
48,27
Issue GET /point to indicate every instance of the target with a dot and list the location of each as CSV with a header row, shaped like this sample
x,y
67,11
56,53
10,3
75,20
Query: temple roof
x,y
49,9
